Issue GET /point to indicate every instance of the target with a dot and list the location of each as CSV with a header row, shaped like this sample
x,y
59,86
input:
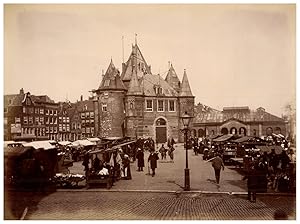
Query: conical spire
x,y
134,86
136,62
172,79
112,79
185,89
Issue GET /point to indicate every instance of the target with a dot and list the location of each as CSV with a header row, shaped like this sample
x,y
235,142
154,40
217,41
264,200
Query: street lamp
x,y
186,119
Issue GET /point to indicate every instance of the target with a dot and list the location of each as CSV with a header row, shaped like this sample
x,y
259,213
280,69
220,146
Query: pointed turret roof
x,y
134,86
173,79
111,80
185,89
136,62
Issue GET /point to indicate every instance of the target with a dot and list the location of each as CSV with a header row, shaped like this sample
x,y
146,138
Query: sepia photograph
x,y
139,111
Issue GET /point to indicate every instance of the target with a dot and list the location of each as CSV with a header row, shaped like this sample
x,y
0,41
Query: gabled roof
x,y
135,62
85,105
149,81
185,89
173,79
13,100
111,80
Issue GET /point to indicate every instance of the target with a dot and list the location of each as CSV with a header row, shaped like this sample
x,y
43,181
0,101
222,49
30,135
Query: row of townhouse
x,y
30,117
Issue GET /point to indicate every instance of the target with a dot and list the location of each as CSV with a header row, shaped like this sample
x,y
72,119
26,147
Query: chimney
x,y
81,98
123,67
22,91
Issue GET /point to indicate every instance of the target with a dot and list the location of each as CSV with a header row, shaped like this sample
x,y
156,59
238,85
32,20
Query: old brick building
x,y
138,103
29,117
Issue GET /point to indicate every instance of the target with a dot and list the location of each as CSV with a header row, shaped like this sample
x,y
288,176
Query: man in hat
x,y
153,157
217,164
140,159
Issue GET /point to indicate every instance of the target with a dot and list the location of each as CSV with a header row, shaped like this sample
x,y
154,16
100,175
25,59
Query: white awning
x,y
93,139
84,142
40,145
64,143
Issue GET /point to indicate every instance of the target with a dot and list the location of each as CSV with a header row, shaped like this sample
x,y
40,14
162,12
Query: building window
x,y
37,120
64,127
60,119
106,82
25,120
160,105
88,130
149,105
5,110
51,112
46,112
30,110
171,105
87,114
17,120
92,122
24,110
106,95
92,115
64,119
55,129
82,115
82,130
47,130
67,119
30,120
68,127
92,130
41,111
60,127
51,129
131,106
55,112
55,120
73,125
42,120
104,107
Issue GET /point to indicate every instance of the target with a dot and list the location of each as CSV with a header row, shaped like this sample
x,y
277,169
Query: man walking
x,y
217,164
153,157
140,159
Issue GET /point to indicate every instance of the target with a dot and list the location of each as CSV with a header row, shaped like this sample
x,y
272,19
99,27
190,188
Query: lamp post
x,y
186,121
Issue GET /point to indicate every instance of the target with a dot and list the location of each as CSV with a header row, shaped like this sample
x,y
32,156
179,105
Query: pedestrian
x,y
140,159
217,164
284,160
252,182
126,167
163,152
171,152
96,164
153,157
86,161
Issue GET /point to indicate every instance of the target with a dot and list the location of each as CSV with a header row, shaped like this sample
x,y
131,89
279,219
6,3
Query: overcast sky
x,y
234,55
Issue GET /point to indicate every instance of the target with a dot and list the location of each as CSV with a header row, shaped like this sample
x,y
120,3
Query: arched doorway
x,y
242,131
201,133
224,131
233,131
161,130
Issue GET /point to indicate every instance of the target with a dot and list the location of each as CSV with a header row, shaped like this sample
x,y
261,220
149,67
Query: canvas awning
x,y
40,145
93,139
123,144
268,149
84,142
15,151
64,143
223,138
